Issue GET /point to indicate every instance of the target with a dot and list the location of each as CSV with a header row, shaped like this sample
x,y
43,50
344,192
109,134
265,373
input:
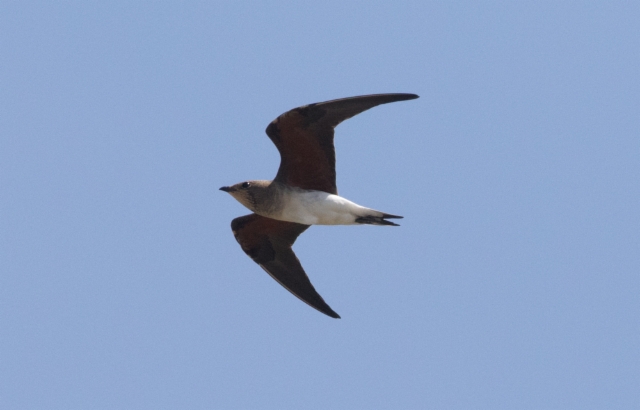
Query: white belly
x,y
320,208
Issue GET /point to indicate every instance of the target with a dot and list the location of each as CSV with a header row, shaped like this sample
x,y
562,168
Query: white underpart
x,y
321,208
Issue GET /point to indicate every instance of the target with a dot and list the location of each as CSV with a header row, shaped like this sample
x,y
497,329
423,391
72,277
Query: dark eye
x,y
245,184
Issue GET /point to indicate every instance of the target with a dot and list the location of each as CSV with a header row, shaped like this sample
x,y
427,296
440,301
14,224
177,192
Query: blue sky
x,y
513,282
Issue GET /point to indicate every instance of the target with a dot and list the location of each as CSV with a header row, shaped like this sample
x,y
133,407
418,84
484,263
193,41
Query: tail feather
x,y
378,220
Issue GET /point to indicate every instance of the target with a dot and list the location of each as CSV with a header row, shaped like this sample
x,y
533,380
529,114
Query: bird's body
x,y
282,202
303,192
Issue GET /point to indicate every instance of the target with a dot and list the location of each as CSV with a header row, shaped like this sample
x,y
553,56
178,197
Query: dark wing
x,y
304,137
268,242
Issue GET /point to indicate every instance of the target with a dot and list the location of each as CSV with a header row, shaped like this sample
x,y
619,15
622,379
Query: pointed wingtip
x,y
404,96
399,97
321,306
322,309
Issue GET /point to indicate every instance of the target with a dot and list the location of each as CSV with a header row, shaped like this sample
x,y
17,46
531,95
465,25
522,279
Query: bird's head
x,y
248,193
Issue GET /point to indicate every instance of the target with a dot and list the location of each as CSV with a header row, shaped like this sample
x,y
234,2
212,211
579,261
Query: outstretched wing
x,y
304,137
268,242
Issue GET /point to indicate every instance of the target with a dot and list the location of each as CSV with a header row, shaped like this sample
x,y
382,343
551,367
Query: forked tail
x,y
378,220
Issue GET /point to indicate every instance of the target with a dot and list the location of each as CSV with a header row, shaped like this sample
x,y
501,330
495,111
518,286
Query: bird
x,y
303,192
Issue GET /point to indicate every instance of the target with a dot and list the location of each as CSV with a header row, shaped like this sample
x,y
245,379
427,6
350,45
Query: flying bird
x,y
303,192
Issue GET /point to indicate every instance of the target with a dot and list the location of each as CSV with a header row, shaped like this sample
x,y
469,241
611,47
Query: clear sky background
x,y
513,282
